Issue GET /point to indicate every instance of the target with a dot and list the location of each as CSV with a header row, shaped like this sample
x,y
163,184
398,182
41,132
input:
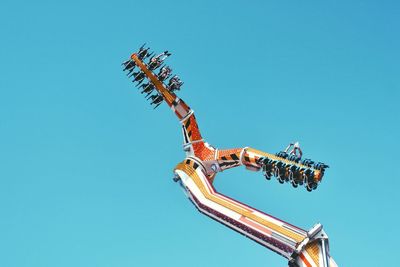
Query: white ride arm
x,y
299,247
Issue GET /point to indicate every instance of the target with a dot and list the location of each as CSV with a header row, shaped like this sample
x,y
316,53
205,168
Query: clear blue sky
x,y
86,164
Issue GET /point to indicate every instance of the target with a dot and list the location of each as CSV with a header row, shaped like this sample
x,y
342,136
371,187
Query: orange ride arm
x,y
175,103
193,141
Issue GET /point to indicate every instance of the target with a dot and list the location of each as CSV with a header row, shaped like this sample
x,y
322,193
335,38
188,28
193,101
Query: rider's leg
x,y
255,160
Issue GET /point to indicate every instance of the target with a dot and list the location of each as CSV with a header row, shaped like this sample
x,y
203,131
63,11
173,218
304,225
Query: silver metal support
x,y
325,256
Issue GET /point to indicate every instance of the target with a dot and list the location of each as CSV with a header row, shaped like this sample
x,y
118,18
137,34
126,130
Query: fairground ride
x,y
197,171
